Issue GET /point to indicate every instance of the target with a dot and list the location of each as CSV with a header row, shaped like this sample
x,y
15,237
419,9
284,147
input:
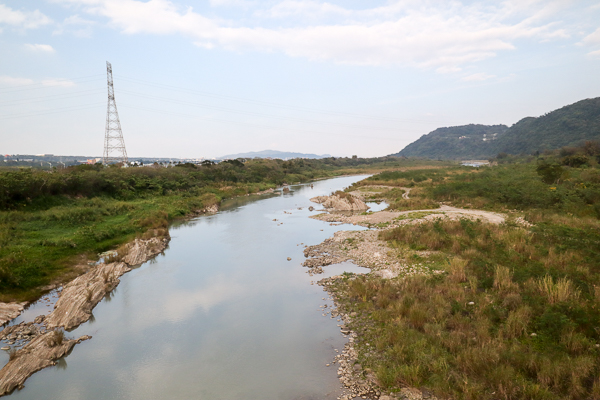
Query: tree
x,y
549,172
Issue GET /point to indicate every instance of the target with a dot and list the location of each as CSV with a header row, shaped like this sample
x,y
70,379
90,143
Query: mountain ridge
x,y
284,155
569,125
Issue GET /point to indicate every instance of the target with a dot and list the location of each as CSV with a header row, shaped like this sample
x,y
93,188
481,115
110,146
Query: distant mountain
x,y
568,126
284,155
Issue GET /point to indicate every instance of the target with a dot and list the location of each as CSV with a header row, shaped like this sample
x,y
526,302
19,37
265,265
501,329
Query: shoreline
x,y
30,344
365,249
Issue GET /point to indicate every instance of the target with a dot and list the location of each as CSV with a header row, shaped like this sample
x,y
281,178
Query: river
x,y
221,315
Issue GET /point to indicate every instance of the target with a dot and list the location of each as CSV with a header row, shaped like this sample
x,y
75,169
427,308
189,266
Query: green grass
x,y
39,247
416,215
467,334
50,221
515,315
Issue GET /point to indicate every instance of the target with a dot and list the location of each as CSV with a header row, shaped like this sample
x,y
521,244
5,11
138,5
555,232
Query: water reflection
x,y
221,315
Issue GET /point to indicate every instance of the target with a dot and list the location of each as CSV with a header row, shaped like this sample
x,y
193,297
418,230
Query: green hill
x,y
468,141
568,126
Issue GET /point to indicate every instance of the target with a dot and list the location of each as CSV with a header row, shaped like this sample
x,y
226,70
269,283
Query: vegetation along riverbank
x,y
53,220
466,305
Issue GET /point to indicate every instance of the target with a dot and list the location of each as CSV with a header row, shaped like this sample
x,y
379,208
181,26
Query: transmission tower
x,y
114,145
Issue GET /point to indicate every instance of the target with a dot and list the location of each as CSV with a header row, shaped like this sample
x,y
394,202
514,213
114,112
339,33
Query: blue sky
x,y
214,77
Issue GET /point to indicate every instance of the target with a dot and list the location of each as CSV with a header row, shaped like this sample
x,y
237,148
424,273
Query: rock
x,y
40,353
81,295
142,250
289,258
338,203
8,311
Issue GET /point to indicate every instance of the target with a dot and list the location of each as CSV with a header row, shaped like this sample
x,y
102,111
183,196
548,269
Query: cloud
x,y
481,76
58,82
75,25
311,9
12,81
592,39
45,48
444,36
231,3
594,53
22,19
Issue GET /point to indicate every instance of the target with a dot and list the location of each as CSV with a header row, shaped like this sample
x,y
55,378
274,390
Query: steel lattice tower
x,y
114,145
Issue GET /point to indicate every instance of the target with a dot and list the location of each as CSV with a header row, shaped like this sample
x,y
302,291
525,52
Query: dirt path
x,y
388,219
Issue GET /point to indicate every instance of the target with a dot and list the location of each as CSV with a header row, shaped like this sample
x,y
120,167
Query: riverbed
x,y
222,314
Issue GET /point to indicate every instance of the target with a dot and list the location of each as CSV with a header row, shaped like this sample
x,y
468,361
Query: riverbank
x,y
38,344
453,288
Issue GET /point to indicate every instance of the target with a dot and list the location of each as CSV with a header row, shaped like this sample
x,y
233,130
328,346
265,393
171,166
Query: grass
x,y
56,338
50,221
12,354
515,315
415,215
467,333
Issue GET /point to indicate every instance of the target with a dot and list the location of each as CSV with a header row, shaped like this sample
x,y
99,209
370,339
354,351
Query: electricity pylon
x,y
114,145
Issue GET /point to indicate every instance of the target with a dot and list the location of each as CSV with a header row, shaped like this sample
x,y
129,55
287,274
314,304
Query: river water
x,y
221,315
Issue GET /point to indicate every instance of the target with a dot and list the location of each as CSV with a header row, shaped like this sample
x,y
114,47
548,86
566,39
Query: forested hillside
x,y
568,126
468,141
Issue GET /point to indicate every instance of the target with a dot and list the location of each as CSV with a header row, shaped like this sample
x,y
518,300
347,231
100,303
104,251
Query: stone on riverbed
x,y
338,203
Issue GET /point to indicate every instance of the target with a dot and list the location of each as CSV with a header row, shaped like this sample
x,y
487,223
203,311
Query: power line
x,y
54,111
269,104
40,99
252,113
257,125
42,85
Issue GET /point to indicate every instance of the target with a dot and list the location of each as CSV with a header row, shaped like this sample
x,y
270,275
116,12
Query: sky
x,y
206,78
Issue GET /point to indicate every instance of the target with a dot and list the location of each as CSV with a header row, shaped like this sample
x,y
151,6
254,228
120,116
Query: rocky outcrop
x,y
341,202
41,352
141,250
80,296
8,311
22,333
74,307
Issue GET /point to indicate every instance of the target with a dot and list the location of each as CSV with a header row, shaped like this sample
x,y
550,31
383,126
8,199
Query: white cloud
x,y
58,82
311,9
12,81
75,25
46,48
481,76
593,38
22,19
231,3
594,53
426,34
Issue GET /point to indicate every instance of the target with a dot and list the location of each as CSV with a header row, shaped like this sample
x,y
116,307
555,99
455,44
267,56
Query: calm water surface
x,y
221,315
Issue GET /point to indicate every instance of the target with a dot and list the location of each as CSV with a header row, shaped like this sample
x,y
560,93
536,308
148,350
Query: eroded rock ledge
x,y
74,307
40,353
341,202
8,311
